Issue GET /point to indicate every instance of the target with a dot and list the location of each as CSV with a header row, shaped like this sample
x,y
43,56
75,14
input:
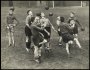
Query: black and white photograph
x,y
44,34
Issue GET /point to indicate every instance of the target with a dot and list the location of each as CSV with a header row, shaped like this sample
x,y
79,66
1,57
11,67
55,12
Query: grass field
x,y
18,58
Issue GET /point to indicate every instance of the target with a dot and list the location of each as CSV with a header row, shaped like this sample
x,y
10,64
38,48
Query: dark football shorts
x,y
11,29
75,30
67,37
28,31
46,36
59,33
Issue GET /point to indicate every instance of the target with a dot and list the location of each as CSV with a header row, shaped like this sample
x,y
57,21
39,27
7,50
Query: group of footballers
x,y
67,31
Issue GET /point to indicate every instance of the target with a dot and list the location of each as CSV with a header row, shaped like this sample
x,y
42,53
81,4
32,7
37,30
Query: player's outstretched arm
x,y
78,23
27,21
46,31
52,27
82,28
37,28
7,23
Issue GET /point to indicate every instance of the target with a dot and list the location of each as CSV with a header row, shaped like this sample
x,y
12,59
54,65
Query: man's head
x,y
72,14
59,18
42,14
37,19
62,19
11,10
29,12
72,21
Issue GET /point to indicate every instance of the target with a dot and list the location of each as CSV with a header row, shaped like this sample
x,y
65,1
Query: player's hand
x,y
82,29
14,25
7,27
48,34
58,29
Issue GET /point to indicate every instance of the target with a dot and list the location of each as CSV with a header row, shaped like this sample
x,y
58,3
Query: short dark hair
x,y
62,19
12,8
28,11
72,12
38,14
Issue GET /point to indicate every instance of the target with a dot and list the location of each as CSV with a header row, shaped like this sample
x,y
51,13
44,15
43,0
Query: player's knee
x,y
27,39
45,40
70,42
36,52
75,35
75,39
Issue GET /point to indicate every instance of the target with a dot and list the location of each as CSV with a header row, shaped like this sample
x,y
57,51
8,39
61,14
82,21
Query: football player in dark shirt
x,y
45,22
77,23
10,26
67,37
28,29
38,38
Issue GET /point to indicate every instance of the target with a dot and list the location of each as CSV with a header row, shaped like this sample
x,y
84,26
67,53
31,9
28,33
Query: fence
x,y
38,3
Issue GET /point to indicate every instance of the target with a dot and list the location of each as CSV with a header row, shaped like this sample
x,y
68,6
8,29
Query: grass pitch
x,y
18,58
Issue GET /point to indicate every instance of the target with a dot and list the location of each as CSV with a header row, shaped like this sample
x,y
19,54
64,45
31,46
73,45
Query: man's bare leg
x,y
12,37
27,44
67,48
37,54
9,37
60,39
77,42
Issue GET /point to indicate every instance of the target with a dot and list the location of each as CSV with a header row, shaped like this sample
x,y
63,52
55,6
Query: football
x,y
47,8
82,29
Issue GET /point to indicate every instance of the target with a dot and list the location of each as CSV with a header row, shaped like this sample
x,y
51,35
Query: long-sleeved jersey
x,y
11,18
74,18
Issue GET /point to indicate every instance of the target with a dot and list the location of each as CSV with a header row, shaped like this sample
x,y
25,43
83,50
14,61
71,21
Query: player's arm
x,y
7,22
58,23
46,31
68,21
27,21
16,20
37,27
52,26
68,26
78,23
